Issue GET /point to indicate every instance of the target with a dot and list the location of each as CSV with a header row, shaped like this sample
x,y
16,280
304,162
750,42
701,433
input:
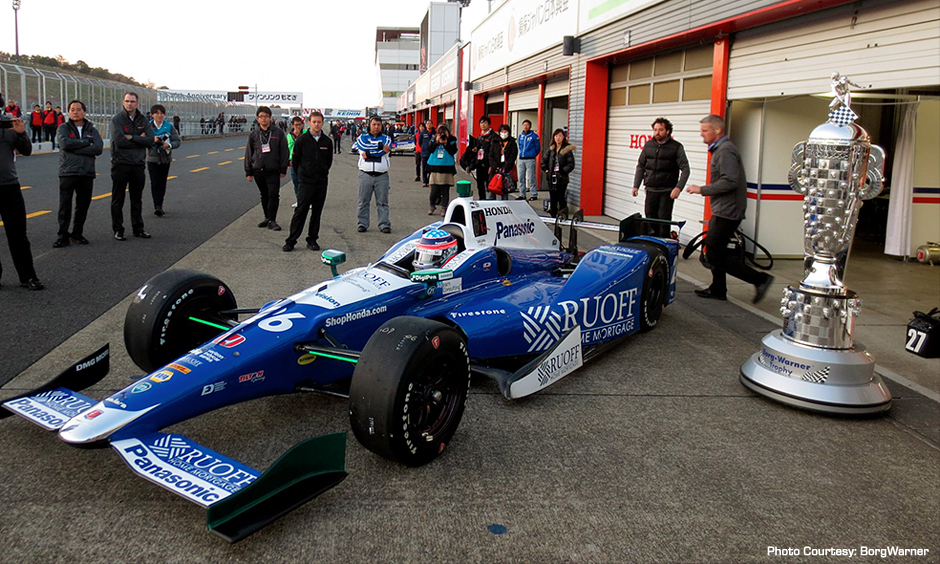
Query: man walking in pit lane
x,y
664,169
374,148
131,136
728,195
312,159
266,160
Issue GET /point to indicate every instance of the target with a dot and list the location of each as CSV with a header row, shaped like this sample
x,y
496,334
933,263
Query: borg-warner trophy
x,y
812,362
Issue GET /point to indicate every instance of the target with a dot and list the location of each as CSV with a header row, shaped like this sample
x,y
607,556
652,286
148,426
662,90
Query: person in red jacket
x,y
48,123
35,123
418,151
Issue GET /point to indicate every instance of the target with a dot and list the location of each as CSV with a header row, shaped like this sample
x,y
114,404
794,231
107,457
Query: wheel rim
x,y
434,400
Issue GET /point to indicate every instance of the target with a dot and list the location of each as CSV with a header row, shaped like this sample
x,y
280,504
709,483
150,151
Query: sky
x,y
323,48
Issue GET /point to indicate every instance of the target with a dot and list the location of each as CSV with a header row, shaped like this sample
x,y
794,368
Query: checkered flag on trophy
x,y
842,115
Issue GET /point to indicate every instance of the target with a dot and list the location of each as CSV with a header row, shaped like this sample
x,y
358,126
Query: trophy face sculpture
x,y
813,362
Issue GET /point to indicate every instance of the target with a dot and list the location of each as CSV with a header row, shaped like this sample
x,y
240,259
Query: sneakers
x,y
273,226
142,234
159,212
288,247
61,242
762,288
119,236
522,197
294,205
431,211
533,198
313,247
33,284
361,229
386,230
707,293
417,179
263,223
78,239
425,185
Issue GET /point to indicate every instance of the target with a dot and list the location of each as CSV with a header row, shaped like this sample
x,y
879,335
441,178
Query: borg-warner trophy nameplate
x,y
812,362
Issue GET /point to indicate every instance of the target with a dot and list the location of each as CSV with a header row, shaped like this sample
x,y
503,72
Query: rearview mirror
x,y
333,258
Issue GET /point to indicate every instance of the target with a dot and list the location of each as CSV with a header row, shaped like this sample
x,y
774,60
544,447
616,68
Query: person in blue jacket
x,y
159,155
529,148
441,168
425,136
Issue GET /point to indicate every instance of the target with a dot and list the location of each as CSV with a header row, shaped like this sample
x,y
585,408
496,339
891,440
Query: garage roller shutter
x,y
556,89
527,99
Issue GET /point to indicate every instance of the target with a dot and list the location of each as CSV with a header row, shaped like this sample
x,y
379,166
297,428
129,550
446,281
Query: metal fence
x,y
30,86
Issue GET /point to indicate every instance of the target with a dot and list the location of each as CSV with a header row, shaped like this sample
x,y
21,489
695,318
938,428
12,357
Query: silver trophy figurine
x,y
812,362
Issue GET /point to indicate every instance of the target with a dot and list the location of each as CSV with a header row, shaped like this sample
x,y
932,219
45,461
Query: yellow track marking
x,y
225,163
200,169
193,156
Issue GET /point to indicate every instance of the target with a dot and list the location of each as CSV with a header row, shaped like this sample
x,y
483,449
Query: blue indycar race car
x,y
490,290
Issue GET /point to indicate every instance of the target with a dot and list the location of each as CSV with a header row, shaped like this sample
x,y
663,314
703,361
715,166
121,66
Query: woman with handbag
x,y
503,154
441,166
557,163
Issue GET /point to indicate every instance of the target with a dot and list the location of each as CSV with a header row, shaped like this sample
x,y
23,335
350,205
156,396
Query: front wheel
x,y
655,289
409,390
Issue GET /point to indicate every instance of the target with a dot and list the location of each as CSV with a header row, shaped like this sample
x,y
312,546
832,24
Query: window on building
x,y
687,76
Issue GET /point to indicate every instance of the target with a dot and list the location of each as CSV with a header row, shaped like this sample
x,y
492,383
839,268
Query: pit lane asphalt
x,y
207,191
652,453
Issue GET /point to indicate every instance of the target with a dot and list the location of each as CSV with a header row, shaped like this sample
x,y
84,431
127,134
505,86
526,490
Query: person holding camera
x,y
131,135
13,139
441,168
79,144
557,164
159,156
374,148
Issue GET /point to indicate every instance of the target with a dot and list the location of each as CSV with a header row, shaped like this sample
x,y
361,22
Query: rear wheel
x,y
158,328
655,289
409,390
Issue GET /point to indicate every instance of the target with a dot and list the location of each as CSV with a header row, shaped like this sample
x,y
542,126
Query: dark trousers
x,y
426,174
720,231
418,162
659,206
158,173
49,133
13,214
130,178
311,197
483,180
81,187
37,133
557,197
337,145
269,185
440,195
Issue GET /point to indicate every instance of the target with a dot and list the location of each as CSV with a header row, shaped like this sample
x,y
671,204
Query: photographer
x,y
12,207
79,144
159,155
441,168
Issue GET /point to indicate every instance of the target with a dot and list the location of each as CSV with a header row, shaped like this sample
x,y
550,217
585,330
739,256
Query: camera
x,y
6,119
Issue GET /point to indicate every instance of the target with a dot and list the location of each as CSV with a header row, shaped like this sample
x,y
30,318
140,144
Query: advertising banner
x,y
595,13
276,98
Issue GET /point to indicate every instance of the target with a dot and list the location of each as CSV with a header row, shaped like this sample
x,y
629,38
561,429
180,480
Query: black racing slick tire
x,y
409,390
655,290
157,328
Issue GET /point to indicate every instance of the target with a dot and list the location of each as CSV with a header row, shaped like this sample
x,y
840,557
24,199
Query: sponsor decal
x,y
210,388
306,359
506,282
432,276
192,361
510,230
178,368
92,362
436,342
600,318
93,414
372,278
173,308
497,210
564,359
211,356
161,376
328,299
141,387
781,364
452,286
253,377
116,402
487,266
280,321
231,341
401,252
51,409
459,314
221,289
355,316
619,252
190,470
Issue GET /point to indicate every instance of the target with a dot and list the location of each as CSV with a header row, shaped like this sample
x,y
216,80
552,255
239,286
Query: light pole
x,y
16,26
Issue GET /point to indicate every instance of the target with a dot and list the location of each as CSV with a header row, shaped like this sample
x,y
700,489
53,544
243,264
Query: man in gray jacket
x,y
79,144
728,193
131,135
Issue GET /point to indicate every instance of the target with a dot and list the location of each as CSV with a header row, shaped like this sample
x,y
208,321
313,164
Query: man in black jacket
x,y
312,159
131,134
664,169
79,144
266,160
481,164
728,194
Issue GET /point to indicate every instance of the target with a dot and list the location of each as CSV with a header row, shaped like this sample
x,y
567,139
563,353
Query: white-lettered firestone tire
x,y
409,390
158,328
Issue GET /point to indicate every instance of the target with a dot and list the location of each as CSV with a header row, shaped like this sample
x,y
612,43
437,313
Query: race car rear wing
x,y
633,226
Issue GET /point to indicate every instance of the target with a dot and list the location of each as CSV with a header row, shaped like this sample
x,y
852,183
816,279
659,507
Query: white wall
x,y
925,224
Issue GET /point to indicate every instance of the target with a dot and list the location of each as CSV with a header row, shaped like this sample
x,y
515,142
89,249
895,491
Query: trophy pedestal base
x,y
824,380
